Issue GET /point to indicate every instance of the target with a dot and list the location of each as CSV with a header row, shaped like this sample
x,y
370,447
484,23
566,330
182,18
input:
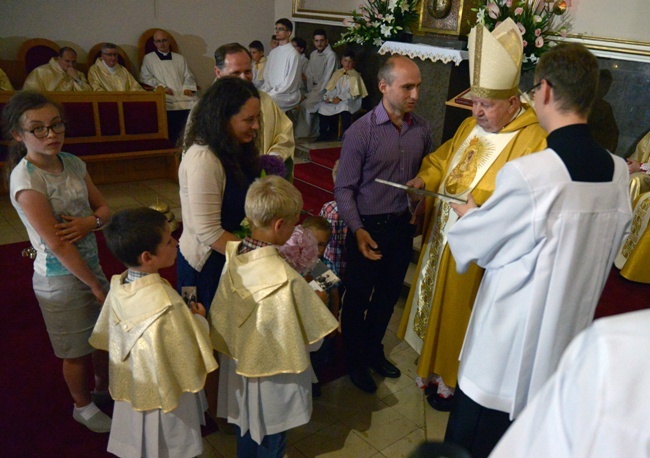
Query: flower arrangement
x,y
377,21
272,165
536,19
301,250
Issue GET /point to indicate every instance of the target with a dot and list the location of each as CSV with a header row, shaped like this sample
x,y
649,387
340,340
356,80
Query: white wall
x,y
199,26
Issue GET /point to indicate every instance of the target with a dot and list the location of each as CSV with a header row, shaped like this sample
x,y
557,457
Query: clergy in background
x,y
440,301
107,74
282,71
322,63
5,84
58,75
169,70
546,238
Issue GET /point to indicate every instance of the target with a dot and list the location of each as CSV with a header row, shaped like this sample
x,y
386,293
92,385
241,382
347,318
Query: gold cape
x,y
640,181
264,314
101,79
157,349
51,77
454,295
357,86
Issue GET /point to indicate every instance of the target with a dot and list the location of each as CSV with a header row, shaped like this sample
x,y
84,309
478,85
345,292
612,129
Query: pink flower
x,y
301,250
538,32
525,43
539,42
518,11
497,24
509,3
522,29
493,10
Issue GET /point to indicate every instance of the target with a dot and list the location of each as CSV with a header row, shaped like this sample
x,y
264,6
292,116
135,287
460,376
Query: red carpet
x,y
35,406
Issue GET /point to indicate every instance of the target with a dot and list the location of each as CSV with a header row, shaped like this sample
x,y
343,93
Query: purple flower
x,y
301,250
273,165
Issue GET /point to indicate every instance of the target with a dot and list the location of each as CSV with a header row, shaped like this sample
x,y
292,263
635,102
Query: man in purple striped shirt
x,y
389,143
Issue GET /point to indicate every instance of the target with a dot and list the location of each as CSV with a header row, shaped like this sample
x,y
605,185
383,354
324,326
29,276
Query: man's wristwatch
x,y
98,222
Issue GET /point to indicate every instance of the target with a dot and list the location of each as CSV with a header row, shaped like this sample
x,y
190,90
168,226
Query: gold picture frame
x,y
446,17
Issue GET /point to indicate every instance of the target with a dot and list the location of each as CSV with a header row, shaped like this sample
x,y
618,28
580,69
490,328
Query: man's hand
x,y
367,246
197,308
188,92
72,73
633,166
461,209
335,100
168,91
75,228
418,183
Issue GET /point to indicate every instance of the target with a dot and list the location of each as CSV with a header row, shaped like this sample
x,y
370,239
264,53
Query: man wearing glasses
x,y
440,301
58,75
546,238
107,74
282,72
169,70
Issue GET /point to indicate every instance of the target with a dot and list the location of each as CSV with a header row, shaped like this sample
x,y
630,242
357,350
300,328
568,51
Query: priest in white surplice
x,y
322,63
282,71
169,70
547,238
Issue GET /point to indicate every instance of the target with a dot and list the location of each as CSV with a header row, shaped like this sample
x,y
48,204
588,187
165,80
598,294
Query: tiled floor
x,y
346,422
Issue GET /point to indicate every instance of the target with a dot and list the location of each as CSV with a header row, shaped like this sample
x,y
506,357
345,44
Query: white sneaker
x,y
98,423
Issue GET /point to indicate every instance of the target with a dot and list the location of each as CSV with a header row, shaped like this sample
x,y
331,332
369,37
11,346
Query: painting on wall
x,y
447,17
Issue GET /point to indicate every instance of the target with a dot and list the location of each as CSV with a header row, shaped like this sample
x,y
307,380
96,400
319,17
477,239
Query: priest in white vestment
x,y
547,239
322,63
58,74
282,70
596,404
169,70
108,75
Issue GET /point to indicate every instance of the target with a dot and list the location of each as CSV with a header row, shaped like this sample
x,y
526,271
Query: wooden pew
x,y
122,136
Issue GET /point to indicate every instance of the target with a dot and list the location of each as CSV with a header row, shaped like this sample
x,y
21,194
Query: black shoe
x,y
315,390
439,403
360,377
386,369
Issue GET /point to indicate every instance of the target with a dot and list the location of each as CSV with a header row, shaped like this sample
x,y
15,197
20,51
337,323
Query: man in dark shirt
x,y
388,143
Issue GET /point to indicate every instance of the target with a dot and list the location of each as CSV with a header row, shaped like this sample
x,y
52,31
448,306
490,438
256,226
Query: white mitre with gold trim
x,y
495,60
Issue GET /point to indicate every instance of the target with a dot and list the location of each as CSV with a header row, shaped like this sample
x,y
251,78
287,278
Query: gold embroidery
x,y
462,176
635,230
430,271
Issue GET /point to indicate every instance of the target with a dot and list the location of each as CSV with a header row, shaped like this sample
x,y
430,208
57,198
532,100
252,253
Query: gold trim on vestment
x,y
501,94
635,229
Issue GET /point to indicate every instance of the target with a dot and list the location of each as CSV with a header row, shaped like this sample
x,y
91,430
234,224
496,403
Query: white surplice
x,y
282,76
547,244
597,402
173,74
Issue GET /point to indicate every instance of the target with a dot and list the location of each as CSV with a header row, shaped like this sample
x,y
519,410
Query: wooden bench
x,y
122,136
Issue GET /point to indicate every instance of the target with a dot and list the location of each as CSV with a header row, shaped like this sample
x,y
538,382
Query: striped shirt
x,y
373,147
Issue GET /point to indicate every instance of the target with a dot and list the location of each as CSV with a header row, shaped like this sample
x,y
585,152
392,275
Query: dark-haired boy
x,y
159,352
256,48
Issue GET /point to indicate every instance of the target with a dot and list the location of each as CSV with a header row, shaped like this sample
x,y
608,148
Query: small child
x,y
265,319
159,354
345,90
335,256
274,43
256,48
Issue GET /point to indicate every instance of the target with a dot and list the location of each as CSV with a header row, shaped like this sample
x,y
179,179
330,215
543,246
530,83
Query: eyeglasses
x,y
44,131
531,92
280,29
110,54
163,40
